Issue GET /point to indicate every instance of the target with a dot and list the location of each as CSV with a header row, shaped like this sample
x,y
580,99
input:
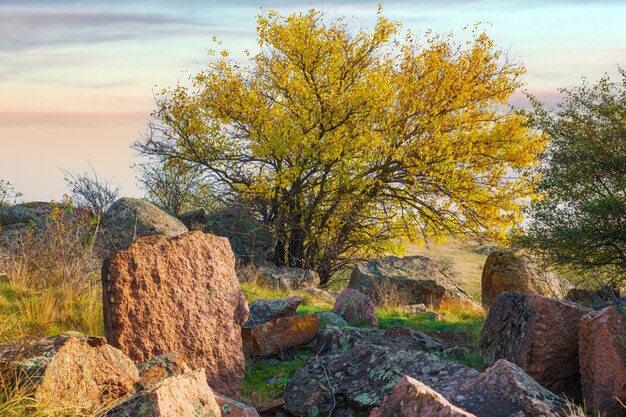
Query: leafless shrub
x,y
90,191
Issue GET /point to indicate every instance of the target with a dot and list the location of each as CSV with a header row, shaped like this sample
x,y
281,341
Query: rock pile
x,y
569,349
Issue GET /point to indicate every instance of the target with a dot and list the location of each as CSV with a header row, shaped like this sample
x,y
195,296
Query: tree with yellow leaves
x,y
346,143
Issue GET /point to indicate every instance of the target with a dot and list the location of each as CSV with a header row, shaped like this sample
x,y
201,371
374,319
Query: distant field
x,y
464,257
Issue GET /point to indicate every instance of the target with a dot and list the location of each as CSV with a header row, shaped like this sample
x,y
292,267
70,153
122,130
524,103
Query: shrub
x,y
58,252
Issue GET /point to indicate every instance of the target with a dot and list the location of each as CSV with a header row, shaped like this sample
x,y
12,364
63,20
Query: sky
x,y
77,77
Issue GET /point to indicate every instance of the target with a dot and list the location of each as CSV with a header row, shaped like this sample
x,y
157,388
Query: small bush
x,y
58,252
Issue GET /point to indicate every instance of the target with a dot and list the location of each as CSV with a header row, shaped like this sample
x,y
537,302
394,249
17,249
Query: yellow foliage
x,y
348,141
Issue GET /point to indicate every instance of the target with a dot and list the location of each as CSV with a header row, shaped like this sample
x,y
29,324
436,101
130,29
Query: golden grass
x,y
463,257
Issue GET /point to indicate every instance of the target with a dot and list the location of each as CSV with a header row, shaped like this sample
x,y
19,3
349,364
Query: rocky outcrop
x,y
346,376
130,218
178,295
181,395
286,278
334,339
506,390
276,336
411,398
602,355
71,374
507,271
417,278
264,311
540,335
355,308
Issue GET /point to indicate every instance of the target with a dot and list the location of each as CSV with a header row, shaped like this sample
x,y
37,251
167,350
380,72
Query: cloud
x,y
25,28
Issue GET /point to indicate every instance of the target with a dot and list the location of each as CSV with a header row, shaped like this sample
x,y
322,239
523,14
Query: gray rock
x,y
288,278
264,311
416,277
129,218
360,377
506,390
332,319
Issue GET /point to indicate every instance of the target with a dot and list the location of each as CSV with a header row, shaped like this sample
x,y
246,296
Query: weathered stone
x,y
334,339
278,335
160,367
355,307
411,398
130,218
507,271
602,337
540,335
321,295
286,278
417,278
263,311
178,295
506,390
231,408
70,374
186,395
332,319
360,377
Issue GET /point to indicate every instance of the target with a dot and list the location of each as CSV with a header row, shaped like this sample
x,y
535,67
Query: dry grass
x,y
388,295
58,252
462,258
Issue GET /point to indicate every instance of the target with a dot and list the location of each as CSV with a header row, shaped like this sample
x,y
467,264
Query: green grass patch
x,y
265,382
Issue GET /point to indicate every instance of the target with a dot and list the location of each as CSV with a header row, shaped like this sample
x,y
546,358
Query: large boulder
x,y
506,390
540,335
129,218
180,395
602,352
355,308
507,271
276,336
411,398
24,214
287,278
71,373
179,294
417,278
264,311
